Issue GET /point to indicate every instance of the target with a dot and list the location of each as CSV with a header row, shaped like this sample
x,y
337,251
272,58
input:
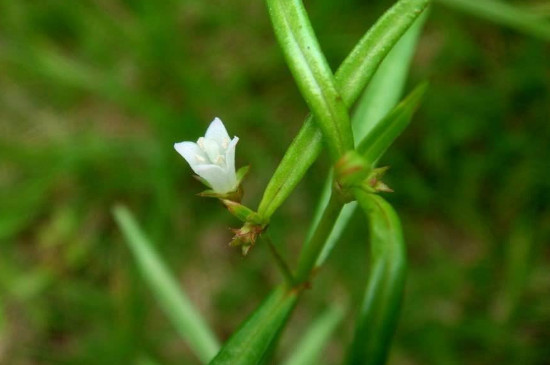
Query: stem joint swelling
x,y
353,171
350,171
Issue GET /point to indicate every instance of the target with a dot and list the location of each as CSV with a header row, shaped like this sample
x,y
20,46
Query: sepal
x,y
203,181
235,196
375,180
241,174
374,183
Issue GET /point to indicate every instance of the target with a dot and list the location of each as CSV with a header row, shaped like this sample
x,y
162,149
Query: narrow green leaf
x,y
311,346
300,155
387,86
379,313
504,14
181,312
256,337
363,61
388,129
351,78
379,98
312,73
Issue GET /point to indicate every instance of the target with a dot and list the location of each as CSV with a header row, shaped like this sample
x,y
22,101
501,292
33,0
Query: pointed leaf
x,y
310,348
241,173
505,14
384,133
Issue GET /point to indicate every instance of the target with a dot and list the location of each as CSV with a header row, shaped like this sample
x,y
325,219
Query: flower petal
x,y
192,153
217,177
216,131
211,149
230,156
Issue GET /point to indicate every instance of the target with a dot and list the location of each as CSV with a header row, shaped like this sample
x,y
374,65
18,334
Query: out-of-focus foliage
x,y
94,93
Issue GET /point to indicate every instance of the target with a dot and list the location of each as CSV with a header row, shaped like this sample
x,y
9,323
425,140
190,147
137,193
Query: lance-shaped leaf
x,y
177,307
379,312
384,133
505,14
387,86
365,58
351,78
312,73
256,337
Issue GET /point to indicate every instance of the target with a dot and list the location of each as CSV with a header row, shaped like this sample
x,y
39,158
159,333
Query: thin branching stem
x,y
280,261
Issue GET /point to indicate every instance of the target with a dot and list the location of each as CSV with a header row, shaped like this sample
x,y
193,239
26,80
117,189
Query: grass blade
x,y
309,349
181,312
504,14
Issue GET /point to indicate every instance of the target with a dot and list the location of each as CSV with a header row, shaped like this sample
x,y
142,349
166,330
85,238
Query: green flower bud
x,y
244,214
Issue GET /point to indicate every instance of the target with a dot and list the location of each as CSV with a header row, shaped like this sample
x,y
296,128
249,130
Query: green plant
x,y
354,144
355,178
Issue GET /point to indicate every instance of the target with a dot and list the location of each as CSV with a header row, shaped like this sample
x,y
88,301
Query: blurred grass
x,y
173,300
94,93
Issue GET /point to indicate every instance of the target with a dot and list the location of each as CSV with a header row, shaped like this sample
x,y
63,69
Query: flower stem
x,y
281,263
313,248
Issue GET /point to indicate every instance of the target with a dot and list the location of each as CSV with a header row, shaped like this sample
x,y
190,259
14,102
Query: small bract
x,y
212,157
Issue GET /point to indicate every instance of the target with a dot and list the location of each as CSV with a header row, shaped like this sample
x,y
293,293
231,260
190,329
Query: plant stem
x,y
281,262
314,247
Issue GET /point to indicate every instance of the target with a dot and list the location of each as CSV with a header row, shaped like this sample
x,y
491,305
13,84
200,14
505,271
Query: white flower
x,y
213,157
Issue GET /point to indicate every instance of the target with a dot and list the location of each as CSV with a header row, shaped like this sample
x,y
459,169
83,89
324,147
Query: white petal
x,y
230,156
212,149
217,177
191,153
216,131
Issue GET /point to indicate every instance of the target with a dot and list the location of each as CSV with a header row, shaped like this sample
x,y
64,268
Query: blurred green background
x,y
94,93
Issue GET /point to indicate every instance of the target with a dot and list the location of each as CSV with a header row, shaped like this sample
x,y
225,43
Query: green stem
x,y
314,247
355,72
280,261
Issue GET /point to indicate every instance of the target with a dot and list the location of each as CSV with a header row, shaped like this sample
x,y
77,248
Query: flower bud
x,y
244,214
